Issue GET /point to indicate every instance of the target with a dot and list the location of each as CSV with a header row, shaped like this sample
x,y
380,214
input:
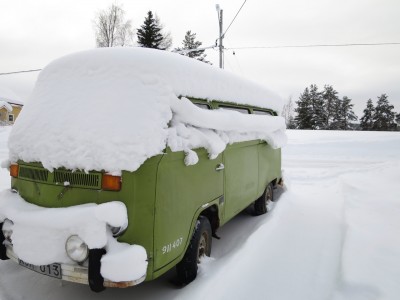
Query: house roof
x,y
6,105
9,96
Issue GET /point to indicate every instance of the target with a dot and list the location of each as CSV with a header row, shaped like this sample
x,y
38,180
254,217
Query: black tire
x,y
262,204
199,246
96,280
3,249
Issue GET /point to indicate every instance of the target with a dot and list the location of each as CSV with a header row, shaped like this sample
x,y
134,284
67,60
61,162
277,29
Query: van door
x,y
181,192
241,176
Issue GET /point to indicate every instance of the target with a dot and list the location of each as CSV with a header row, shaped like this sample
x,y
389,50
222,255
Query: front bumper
x,y
79,274
123,264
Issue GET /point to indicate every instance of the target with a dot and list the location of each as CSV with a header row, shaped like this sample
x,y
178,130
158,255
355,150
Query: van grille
x,y
60,177
33,174
77,179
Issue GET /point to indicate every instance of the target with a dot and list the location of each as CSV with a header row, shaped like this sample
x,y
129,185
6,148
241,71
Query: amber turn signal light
x,y
111,183
14,170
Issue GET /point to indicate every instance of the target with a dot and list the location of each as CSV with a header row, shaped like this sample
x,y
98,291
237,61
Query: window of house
x,y
11,118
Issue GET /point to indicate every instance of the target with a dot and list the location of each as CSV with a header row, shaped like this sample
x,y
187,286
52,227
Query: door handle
x,y
220,167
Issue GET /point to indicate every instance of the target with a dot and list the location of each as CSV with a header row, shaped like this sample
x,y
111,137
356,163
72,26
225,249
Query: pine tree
x,y
367,120
336,122
324,110
190,43
346,114
317,104
150,33
384,115
330,98
303,110
310,109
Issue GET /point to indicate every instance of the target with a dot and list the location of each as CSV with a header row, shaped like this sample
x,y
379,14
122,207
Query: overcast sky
x,y
33,33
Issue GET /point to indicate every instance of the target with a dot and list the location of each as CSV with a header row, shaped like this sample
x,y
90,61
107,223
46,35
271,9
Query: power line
x,y
18,72
314,46
261,47
235,17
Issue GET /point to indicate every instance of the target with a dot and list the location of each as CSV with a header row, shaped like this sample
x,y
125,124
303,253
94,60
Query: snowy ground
x,y
334,234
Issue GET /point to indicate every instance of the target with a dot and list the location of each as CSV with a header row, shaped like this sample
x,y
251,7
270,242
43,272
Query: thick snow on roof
x,y
9,96
110,108
6,105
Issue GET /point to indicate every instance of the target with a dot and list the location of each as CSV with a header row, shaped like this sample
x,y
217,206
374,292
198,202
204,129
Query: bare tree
x,y
166,43
287,113
111,29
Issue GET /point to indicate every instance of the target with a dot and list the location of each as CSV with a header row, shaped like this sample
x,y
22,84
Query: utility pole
x,y
221,47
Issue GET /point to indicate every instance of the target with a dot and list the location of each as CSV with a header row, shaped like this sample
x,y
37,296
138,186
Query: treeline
x,y
325,110
380,117
112,29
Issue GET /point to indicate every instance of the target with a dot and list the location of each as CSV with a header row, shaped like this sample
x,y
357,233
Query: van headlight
x,y
76,249
7,229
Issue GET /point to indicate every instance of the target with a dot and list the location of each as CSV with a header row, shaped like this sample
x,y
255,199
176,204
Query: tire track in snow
x,y
370,257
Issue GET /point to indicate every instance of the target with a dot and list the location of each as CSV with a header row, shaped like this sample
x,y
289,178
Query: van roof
x,y
110,108
185,76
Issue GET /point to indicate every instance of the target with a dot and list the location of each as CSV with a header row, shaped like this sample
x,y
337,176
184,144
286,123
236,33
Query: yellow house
x,y
10,106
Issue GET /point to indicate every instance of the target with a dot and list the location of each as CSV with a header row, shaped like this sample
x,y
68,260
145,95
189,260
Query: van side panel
x,y
241,176
140,205
181,191
269,166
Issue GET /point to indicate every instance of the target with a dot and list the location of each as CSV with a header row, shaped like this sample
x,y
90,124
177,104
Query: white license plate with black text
x,y
52,270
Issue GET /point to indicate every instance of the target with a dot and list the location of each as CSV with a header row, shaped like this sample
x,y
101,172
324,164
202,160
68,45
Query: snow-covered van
x,y
125,162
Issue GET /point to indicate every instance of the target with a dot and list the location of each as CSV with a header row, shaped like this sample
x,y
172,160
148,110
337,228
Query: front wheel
x,y
200,246
264,203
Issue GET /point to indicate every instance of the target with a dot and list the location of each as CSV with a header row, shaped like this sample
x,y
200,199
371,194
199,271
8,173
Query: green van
x,y
151,150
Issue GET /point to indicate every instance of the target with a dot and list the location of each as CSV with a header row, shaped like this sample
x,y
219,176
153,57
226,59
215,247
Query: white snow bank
x,y
372,239
39,234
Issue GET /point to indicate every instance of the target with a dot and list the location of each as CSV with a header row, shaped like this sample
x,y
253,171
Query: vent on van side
x,y
60,177
77,179
34,174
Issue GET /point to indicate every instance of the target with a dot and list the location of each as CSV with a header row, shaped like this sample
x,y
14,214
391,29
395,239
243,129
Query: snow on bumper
x,y
79,274
39,235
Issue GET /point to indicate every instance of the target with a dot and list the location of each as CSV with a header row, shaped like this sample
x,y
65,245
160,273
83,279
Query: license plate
x,y
53,270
